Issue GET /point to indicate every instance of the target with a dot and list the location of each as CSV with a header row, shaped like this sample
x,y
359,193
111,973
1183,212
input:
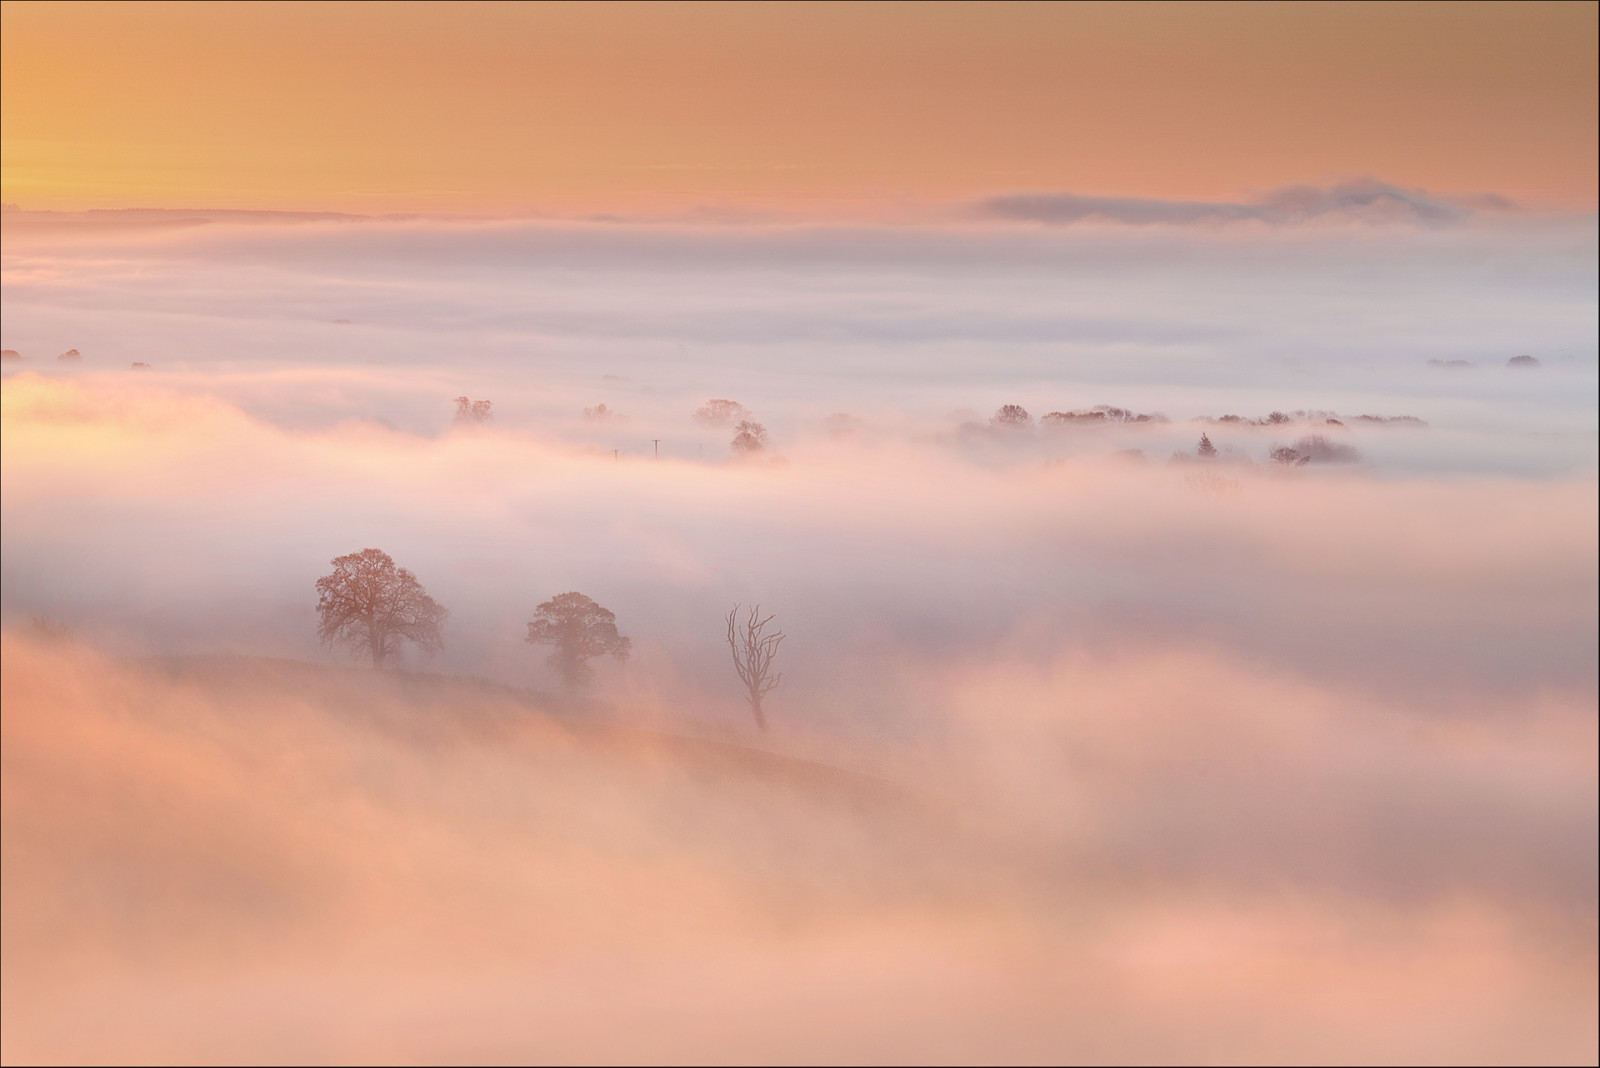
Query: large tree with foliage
x,y
371,606
580,630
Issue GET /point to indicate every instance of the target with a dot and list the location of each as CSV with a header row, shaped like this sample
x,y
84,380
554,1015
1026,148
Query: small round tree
x,y
750,438
580,630
370,605
1012,417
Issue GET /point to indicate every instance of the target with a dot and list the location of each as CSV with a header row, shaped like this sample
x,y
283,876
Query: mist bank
x,y
310,323
159,521
209,855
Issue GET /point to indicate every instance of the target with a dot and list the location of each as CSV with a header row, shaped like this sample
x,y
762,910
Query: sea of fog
x,y
298,396
1205,734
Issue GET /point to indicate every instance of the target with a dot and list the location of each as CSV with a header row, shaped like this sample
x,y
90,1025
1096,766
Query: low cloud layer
x,y
331,865
1368,201
314,322
149,512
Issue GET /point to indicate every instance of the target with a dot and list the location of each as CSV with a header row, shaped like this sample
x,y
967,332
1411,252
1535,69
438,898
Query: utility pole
x,y
616,454
657,443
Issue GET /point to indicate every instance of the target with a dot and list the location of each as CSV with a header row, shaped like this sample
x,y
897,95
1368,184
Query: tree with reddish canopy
x,y
369,604
580,630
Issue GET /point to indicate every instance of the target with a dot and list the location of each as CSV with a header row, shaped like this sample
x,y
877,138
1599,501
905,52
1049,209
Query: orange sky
x,y
504,108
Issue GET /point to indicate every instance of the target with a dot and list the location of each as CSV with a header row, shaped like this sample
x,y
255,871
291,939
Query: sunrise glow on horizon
x,y
809,109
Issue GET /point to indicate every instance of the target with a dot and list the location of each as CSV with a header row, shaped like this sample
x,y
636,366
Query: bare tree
x,y
580,630
369,604
753,652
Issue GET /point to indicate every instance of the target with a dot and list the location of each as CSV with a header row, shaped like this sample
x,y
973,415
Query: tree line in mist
x,y
1012,421
372,607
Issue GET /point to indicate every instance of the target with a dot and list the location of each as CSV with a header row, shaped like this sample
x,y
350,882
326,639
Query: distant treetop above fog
x,y
1523,361
1012,417
1319,450
1316,416
721,412
471,411
1099,415
749,439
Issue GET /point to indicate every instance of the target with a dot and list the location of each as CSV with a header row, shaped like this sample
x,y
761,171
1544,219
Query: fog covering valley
x,y
1087,747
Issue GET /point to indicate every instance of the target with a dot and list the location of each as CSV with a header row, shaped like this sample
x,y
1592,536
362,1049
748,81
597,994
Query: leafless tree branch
x,y
753,652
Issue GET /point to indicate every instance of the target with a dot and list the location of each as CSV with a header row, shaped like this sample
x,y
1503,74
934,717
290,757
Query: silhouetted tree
x,y
749,439
1289,456
1012,417
580,630
369,604
720,412
753,652
471,411
1206,448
